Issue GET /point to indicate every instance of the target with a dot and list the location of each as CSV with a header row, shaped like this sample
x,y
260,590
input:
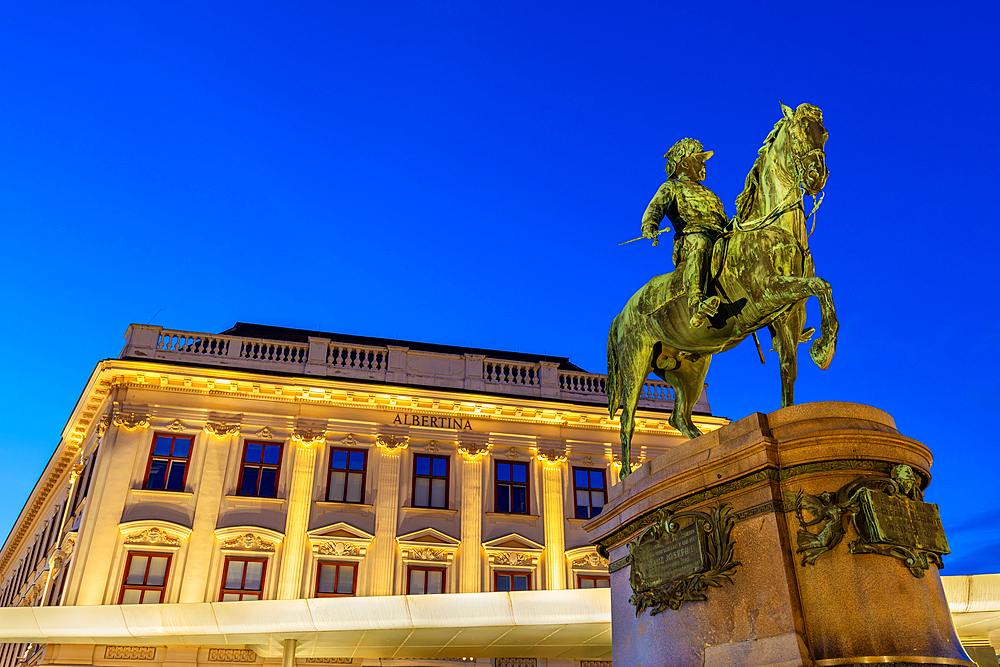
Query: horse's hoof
x,y
822,353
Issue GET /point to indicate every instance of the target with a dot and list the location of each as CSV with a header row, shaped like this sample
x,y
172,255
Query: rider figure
x,y
698,218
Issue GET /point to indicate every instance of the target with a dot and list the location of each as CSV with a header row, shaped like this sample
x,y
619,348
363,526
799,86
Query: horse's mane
x,y
745,202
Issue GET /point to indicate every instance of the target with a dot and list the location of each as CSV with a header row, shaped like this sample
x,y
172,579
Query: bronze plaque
x,y
899,521
672,557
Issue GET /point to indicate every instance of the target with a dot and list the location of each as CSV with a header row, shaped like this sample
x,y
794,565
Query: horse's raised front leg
x,y
780,291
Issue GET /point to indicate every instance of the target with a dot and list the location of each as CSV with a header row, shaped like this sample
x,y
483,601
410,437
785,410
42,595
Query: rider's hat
x,y
682,149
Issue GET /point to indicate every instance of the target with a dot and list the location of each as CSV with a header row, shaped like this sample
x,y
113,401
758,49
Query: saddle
x,y
661,290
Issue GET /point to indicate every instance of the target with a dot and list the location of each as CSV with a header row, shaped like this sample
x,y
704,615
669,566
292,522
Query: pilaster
x,y
295,544
553,461
386,512
470,560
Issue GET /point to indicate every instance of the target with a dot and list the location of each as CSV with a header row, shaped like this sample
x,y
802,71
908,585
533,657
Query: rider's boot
x,y
702,308
698,249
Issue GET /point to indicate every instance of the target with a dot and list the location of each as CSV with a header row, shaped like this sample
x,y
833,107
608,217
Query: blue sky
x,y
463,173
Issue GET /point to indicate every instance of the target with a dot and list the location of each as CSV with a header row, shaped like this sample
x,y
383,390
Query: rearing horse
x,y
761,270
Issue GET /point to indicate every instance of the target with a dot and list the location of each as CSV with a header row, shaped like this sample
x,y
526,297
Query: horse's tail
x,y
613,388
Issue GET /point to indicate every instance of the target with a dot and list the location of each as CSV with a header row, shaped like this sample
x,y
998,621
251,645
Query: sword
x,y
656,240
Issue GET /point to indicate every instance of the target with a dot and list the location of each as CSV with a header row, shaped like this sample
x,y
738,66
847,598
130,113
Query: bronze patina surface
x,y
736,276
844,608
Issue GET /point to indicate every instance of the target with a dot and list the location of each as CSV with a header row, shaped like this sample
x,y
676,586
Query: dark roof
x,y
268,332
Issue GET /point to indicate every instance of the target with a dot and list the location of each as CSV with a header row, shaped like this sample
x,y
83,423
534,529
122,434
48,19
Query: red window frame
x,y
336,579
580,578
510,485
260,467
589,489
144,587
506,573
430,494
169,459
259,592
348,471
423,572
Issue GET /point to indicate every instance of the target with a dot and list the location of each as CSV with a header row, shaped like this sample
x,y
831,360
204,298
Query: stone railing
x,y
392,365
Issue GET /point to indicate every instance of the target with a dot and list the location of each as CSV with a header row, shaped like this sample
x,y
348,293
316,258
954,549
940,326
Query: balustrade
x,y
193,343
509,373
282,353
357,358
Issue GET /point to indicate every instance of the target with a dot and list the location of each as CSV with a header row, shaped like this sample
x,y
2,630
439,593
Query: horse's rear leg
x,y
688,381
632,373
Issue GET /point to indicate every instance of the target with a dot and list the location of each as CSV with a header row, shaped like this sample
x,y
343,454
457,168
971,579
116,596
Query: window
x,y
259,475
242,579
512,487
145,578
504,582
346,482
587,581
336,579
430,481
421,580
590,492
168,462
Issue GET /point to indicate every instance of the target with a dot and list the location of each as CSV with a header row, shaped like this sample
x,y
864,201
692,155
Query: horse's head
x,y
807,137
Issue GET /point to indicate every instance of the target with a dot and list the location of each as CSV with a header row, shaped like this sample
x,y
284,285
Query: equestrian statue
x,y
731,277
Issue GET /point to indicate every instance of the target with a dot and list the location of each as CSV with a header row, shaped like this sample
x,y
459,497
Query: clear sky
x,y
463,174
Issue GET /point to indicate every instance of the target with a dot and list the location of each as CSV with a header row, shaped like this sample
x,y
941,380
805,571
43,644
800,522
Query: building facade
x,y
267,464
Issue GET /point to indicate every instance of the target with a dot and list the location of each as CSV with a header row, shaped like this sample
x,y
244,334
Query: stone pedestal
x,y
842,609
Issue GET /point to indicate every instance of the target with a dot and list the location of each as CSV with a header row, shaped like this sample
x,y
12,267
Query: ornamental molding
x,y
221,430
131,422
152,536
592,560
308,438
349,441
338,549
616,461
432,447
263,434
428,544
249,542
231,655
129,652
428,553
391,442
588,461
511,453
176,425
473,451
553,457
69,543
74,473
102,426
512,558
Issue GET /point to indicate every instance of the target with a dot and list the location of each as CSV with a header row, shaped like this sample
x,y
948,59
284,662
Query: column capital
x,y
391,442
473,451
307,438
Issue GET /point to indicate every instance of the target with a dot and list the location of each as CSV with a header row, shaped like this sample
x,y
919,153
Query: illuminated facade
x,y
264,465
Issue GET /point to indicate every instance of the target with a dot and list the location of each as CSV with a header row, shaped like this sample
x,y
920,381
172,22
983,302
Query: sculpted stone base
x,y
840,608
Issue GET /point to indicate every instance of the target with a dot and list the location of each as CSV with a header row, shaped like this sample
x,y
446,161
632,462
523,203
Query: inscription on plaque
x,y
885,519
672,556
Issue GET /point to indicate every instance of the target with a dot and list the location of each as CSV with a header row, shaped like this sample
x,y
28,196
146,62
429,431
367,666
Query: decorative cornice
x,y
248,541
511,558
221,430
308,438
231,655
129,652
74,473
391,442
130,422
472,450
152,536
102,426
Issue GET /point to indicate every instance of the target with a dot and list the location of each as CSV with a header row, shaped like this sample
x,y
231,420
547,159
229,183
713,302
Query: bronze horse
x,y
762,271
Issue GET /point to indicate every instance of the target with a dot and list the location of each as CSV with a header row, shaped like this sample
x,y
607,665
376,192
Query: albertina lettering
x,y
433,422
